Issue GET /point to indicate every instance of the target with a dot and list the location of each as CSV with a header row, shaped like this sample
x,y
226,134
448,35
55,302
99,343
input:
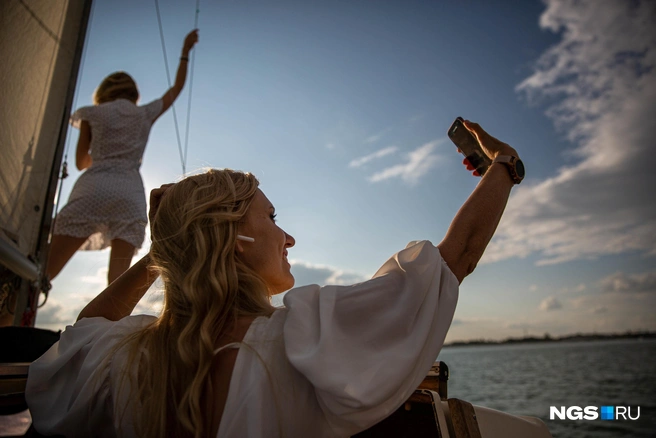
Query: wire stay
x,y
168,78
191,84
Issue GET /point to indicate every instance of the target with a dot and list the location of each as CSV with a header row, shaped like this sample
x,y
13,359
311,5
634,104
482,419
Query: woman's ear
x,y
239,247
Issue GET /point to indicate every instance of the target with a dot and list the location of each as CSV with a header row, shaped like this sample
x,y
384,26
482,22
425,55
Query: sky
x,y
341,109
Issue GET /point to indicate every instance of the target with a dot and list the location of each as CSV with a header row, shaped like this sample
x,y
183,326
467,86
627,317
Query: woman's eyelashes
x,y
273,216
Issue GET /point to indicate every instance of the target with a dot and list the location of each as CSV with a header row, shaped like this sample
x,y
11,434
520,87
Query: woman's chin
x,y
283,286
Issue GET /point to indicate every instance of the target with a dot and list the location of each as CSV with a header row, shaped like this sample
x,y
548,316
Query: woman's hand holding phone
x,y
478,147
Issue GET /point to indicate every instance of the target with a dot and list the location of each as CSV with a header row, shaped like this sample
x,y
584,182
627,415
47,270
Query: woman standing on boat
x,y
107,206
220,360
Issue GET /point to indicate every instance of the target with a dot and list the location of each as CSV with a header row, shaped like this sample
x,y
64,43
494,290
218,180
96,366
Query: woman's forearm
x,y
476,221
119,299
181,75
172,93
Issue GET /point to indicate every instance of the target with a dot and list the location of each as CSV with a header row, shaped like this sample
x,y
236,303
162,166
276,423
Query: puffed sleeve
x,y
153,109
84,113
68,389
365,348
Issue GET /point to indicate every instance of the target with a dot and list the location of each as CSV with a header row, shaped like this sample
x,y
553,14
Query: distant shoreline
x,y
578,337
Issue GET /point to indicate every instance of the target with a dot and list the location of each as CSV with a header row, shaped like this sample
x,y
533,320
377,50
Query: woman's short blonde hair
x,y
118,85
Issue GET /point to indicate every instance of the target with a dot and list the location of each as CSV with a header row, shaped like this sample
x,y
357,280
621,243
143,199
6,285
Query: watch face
x,y
519,168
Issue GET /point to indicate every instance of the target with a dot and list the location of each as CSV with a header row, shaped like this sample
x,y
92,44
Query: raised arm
x,y
181,77
476,221
82,156
119,299
123,294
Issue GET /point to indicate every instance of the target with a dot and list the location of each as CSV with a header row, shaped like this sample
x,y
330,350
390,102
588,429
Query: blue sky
x,y
341,110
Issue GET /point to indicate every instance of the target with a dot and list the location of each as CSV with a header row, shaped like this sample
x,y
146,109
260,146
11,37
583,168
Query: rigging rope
x,y
183,156
191,84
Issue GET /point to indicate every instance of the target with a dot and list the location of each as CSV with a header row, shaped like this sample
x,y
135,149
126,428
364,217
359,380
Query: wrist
x,y
506,150
513,164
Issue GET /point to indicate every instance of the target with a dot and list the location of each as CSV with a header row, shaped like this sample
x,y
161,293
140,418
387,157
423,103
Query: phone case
x,y
469,146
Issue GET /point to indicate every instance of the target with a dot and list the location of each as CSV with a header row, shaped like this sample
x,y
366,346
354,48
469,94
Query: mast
x,y
36,37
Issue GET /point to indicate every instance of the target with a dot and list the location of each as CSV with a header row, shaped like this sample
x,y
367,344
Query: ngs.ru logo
x,y
592,413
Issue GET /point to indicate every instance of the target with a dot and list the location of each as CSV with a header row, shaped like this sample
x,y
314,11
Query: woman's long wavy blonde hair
x,y
206,288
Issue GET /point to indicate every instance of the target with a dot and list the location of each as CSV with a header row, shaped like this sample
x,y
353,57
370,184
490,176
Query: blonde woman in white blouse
x,y
220,360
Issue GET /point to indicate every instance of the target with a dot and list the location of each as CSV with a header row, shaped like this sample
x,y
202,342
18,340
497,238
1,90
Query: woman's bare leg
x,y
62,249
119,259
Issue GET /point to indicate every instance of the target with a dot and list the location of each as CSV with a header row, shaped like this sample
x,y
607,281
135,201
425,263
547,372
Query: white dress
x,y
333,362
108,200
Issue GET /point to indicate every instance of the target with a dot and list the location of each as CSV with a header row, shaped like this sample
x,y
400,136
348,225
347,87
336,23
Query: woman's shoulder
x,y
152,109
266,328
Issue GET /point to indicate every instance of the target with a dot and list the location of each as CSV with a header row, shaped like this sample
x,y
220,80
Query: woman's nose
x,y
289,240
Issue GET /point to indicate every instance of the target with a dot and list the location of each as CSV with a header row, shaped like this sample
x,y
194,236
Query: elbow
x,y
469,268
176,90
470,259
461,259
177,87
465,265
83,163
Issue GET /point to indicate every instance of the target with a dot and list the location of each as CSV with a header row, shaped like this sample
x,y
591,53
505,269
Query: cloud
x,y
100,277
599,86
153,300
419,162
599,310
378,154
374,138
307,273
53,313
550,303
621,282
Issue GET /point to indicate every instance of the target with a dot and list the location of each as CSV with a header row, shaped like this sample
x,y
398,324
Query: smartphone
x,y
469,146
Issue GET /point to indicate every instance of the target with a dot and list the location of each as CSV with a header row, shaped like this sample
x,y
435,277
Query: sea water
x,y
526,379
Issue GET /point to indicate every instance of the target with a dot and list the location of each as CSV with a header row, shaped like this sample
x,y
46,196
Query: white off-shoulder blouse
x,y
332,362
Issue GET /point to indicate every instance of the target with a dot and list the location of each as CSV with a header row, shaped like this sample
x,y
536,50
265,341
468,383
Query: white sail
x,y
40,43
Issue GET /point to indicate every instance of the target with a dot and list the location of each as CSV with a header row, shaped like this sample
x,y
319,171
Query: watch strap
x,y
509,161
504,159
